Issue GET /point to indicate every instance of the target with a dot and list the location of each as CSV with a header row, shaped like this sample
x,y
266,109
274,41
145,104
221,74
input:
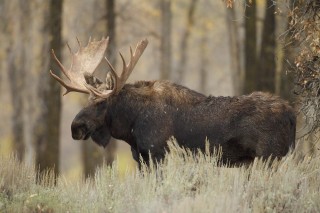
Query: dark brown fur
x,y
146,114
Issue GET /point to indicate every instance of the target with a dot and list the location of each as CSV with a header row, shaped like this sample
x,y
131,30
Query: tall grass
x,y
183,182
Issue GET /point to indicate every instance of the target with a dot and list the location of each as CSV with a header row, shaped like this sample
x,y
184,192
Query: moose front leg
x,y
141,155
138,157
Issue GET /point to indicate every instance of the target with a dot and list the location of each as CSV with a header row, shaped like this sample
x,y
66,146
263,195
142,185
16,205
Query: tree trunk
x,y
111,31
112,56
165,46
17,86
267,63
234,45
17,69
4,36
204,60
250,48
47,129
287,75
181,69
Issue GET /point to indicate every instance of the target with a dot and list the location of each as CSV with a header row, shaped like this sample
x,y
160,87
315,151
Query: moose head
x,y
90,121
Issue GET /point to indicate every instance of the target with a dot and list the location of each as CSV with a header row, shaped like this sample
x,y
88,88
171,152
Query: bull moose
x,y
146,114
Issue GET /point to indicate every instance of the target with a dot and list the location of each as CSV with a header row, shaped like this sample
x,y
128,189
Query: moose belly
x,y
195,138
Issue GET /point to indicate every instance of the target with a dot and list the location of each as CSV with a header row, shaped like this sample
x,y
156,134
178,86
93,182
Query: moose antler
x,y
127,69
84,63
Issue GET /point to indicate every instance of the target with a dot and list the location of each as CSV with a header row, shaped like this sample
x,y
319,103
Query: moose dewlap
x,y
147,113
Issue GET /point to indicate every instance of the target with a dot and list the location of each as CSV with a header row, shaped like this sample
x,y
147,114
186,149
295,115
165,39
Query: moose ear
x,y
109,81
101,136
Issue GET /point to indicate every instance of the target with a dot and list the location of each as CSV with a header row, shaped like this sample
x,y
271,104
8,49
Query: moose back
x,y
147,113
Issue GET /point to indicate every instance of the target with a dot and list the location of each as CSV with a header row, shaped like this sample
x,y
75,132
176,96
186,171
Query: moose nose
x,y
79,131
76,135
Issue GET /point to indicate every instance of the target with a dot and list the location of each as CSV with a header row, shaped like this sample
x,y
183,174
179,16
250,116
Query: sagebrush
x,y
183,182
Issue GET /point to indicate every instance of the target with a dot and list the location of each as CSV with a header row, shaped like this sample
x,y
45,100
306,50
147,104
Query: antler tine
x,y
128,68
124,64
68,87
79,42
84,62
60,65
69,48
60,81
113,74
111,67
126,71
131,53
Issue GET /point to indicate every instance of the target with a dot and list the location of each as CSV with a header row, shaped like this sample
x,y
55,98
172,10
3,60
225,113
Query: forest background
x,y
215,47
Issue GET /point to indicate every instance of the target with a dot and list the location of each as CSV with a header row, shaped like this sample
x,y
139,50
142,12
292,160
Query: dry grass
x,y
182,183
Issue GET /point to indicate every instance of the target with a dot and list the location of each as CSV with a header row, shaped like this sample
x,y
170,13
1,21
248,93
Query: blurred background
x,y
217,47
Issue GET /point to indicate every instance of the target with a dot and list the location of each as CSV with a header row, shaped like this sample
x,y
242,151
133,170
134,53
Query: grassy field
x,y
182,183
